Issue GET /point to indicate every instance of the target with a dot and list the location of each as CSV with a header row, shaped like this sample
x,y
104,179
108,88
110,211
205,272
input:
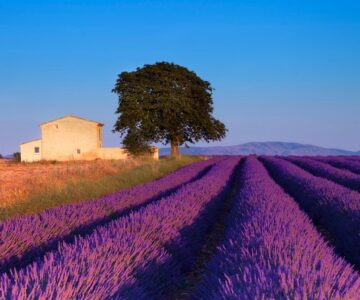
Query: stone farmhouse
x,y
71,138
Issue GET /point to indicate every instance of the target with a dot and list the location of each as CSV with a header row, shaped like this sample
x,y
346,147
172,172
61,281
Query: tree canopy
x,y
166,103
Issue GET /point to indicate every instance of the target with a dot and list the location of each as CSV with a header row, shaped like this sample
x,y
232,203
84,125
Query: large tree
x,y
167,103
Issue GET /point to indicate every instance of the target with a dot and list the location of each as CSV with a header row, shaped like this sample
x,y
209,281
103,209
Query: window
x,y
78,151
37,149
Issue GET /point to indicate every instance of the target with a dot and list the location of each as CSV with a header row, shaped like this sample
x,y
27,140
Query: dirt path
x,y
213,238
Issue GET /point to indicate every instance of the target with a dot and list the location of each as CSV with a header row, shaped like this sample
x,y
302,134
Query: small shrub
x,y
17,157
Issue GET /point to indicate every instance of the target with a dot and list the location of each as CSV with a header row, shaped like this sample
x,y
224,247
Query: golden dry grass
x,y
33,187
19,180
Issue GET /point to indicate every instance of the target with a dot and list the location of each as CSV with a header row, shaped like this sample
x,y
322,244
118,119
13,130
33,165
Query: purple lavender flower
x,y
322,169
26,237
271,250
352,165
137,256
334,208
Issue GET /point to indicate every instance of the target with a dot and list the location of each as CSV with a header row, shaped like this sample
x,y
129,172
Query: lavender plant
x,y
343,163
25,238
271,250
134,257
334,208
322,169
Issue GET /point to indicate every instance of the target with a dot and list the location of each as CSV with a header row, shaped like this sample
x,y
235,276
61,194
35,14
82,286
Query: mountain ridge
x,y
263,148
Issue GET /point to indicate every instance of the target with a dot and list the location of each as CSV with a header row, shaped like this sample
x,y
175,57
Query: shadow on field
x,y
85,230
188,254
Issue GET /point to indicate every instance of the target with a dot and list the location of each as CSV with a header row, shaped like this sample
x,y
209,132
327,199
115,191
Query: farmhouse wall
x,y
70,139
31,151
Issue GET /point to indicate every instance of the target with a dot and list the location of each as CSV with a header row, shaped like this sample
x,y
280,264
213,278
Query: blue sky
x,y
282,70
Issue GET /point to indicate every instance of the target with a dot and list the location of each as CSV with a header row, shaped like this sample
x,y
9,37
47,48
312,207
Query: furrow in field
x,y
349,157
134,257
322,169
342,163
271,250
26,238
188,281
353,157
332,207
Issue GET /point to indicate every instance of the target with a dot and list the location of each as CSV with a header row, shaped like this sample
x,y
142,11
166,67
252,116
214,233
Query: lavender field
x,y
230,227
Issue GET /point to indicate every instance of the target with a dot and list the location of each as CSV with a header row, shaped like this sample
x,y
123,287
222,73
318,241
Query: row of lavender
x,y
352,157
322,169
142,284
271,250
333,207
24,238
350,163
138,256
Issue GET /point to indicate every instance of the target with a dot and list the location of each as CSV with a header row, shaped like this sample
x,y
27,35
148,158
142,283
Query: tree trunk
x,y
175,152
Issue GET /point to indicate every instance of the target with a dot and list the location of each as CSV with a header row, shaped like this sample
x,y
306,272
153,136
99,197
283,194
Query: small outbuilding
x,y
71,138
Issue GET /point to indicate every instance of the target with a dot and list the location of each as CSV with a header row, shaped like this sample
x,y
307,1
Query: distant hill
x,y
262,148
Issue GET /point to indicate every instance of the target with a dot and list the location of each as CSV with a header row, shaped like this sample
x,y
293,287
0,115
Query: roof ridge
x,y
72,116
34,140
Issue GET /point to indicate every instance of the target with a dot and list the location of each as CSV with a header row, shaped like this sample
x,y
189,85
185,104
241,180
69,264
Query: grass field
x,y
29,188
